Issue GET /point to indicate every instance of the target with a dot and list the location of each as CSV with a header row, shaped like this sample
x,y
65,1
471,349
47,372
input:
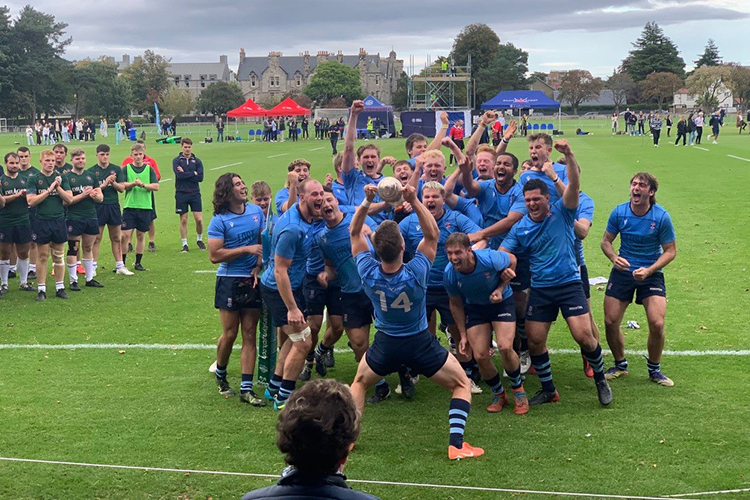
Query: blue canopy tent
x,y
376,109
523,99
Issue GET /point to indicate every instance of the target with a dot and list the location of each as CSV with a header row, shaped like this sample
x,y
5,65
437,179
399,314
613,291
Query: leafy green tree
x,y
577,86
660,87
148,80
652,52
40,74
481,42
219,98
506,72
7,61
97,90
708,82
177,102
622,86
710,55
739,83
333,79
401,96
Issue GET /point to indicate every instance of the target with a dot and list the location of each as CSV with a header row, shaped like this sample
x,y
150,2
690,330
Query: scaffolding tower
x,y
437,87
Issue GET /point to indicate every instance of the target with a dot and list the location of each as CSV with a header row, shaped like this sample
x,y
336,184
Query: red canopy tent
x,y
249,108
288,107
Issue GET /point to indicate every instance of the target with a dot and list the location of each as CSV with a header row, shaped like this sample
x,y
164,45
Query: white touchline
x,y
282,154
361,481
205,271
704,493
738,158
315,149
165,180
702,149
227,166
185,347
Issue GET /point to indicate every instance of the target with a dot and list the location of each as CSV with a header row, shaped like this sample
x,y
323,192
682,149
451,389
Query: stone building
x,y
268,78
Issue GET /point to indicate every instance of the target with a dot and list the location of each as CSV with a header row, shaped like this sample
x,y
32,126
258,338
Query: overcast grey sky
x,y
558,34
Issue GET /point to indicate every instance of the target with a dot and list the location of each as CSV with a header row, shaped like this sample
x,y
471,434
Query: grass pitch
x,y
160,407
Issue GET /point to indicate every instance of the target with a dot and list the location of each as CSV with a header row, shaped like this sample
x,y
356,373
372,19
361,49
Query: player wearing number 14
x,y
398,292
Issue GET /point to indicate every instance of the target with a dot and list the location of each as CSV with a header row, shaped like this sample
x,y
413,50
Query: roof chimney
x,y
223,59
242,54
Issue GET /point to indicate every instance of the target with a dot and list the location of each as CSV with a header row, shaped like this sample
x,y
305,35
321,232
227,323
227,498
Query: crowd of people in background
x,y
689,126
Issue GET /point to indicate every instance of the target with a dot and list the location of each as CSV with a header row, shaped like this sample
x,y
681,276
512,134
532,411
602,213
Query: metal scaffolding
x,y
439,87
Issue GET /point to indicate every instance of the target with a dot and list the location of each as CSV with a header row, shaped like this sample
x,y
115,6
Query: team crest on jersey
x,y
41,182
70,229
447,225
653,226
487,275
231,224
72,179
5,183
255,218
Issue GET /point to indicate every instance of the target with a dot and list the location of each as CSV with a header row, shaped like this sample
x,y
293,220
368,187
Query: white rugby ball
x,y
389,190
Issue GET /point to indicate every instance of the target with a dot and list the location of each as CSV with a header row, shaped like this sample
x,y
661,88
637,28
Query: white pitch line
x,y
702,149
275,156
361,481
315,149
738,158
205,271
165,180
728,353
227,166
704,493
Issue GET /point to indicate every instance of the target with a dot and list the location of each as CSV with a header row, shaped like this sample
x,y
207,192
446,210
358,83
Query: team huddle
x,y
495,256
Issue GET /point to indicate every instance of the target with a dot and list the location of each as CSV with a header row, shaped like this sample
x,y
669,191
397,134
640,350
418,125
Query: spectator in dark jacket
x,y
316,431
681,131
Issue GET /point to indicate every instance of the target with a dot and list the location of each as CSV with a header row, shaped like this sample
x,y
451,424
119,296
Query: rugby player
x,y
83,224
61,153
282,291
110,178
140,184
26,170
398,292
540,147
152,228
647,245
234,242
47,191
482,303
298,170
15,227
546,235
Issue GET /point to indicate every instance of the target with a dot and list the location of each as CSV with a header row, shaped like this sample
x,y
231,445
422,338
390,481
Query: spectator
x,y
172,125
715,123
220,130
305,126
282,128
641,123
682,129
655,126
627,116
669,124
614,124
30,135
698,127
691,129
316,431
741,124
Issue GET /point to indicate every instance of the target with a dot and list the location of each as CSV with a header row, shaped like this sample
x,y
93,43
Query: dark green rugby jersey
x,y
28,172
86,208
51,208
16,212
100,174
67,167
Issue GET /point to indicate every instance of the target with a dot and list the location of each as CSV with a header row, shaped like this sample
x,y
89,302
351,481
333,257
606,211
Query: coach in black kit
x,y
188,171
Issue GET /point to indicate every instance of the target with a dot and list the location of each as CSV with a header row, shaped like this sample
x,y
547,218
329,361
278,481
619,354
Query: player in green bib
x,y
83,225
110,178
140,182
15,228
47,191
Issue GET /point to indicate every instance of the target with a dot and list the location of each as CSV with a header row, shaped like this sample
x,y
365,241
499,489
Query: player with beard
x,y
484,156
48,191
546,235
482,303
234,242
647,245
341,271
398,292
449,222
15,227
298,170
281,288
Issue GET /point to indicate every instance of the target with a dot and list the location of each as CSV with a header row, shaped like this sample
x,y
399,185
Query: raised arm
x,y
570,195
510,131
470,184
455,150
359,242
485,121
350,136
430,231
435,144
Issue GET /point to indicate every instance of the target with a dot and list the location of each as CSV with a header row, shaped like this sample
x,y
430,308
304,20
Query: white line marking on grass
x,y
702,149
275,156
729,353
738,158
165,180
361,481
227,166
205,271
315,149
704,493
